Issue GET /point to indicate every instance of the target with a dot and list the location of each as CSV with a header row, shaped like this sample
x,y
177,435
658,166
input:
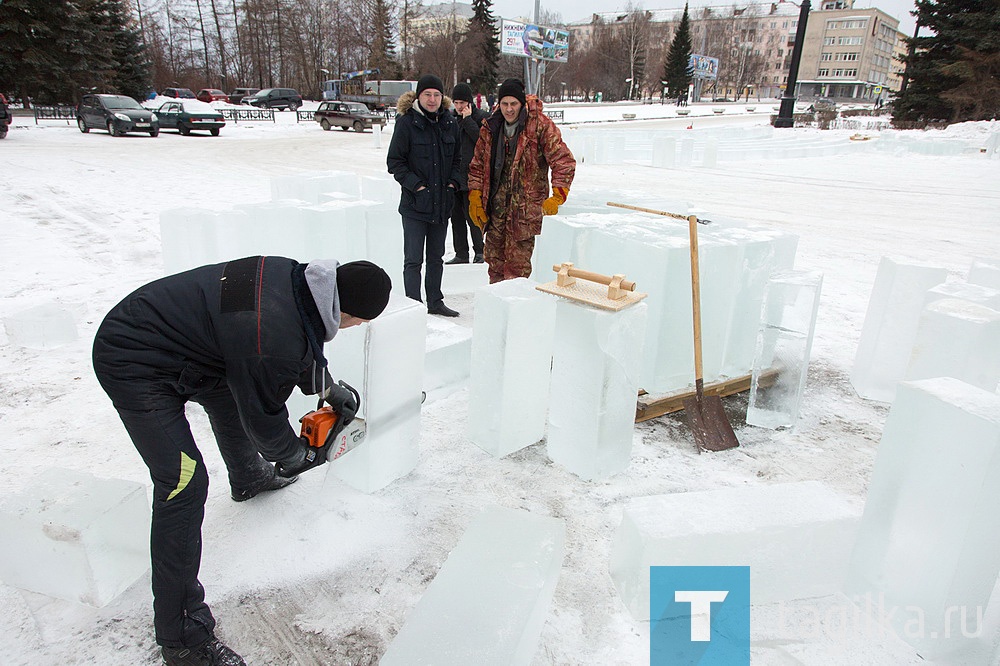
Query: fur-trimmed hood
x,y
407,100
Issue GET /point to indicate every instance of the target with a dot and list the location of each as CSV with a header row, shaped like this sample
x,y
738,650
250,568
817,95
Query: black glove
x,y
344,401
305,458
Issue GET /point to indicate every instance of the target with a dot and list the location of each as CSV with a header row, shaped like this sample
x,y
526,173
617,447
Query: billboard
x,y
703,67
534,41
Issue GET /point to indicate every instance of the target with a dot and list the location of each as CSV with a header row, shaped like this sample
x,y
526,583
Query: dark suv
x,y
116,113
347,115
5,117
275,98
237,95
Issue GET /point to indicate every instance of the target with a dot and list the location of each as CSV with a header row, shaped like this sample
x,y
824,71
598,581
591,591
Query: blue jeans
x,y
422,239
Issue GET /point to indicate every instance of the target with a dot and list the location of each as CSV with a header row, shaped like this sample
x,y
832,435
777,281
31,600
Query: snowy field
x,y
295,578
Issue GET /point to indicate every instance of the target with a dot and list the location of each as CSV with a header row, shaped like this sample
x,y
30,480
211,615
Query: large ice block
x,y
384,360
929,539
957,339
489,601
188,238
985,272
44,326
270,228
384,243
384,191
784,343
595,383
464,278
795,537
74,536
965,291
307,187
448,353
511,360
333,230
891,325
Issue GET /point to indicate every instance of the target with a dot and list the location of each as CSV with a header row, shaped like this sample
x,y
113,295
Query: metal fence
x,y
249,113
555,114
67,113
307,116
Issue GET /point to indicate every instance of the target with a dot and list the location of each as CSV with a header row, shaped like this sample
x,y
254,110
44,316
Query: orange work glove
x,y
551,205
476,212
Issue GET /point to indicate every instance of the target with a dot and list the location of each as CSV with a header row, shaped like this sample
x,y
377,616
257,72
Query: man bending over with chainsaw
x,y
236,338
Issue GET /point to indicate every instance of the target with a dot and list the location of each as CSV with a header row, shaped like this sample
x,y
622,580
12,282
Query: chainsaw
x,y
323,429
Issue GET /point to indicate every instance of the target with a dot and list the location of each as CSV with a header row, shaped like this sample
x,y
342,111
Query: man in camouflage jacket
x,y
509,180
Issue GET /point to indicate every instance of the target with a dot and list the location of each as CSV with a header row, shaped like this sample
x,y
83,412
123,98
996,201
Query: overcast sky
x,y
573,10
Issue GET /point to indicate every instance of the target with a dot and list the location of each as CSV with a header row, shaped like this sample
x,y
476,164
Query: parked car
x,y
347,115
185,115
5,116
237,95
117,114
275,98
179,93
823,104
212,95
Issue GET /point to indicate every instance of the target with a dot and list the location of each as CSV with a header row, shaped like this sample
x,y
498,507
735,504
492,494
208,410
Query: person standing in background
x,y
469,120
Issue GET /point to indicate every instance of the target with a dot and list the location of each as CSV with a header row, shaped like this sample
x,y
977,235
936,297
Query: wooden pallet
x,y
649,407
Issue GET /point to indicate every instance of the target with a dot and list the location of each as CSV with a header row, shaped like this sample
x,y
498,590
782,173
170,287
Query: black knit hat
x,y
429,81
512,88
363,288
462,91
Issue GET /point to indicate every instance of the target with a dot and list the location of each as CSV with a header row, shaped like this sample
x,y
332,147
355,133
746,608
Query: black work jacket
x,y
245,324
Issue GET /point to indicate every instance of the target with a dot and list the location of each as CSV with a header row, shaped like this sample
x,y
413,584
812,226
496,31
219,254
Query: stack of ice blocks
x,y
959,339
489,602
783,348
736,262
929,539
795,537
384,360
511,360
891,325
76,537
595,381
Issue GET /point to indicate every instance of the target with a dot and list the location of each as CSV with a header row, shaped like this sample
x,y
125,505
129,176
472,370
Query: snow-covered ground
x,y
299,578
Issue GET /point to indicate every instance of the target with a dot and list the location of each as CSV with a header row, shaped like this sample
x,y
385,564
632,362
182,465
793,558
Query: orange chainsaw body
x,y
317,425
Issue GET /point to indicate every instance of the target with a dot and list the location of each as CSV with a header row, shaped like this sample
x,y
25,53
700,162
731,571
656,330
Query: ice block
x,y
891,325
929,538
985,272
448,353
464,278
384,360
784,343
489,601
957,339
334,230
384,243
795,537
45,326
511,361
74,536
595,382
187,238
965,291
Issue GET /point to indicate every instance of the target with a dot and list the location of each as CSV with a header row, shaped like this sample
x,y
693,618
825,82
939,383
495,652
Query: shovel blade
x,y
708,422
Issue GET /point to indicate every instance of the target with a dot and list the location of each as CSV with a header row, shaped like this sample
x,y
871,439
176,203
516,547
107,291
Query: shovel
x,y
707,419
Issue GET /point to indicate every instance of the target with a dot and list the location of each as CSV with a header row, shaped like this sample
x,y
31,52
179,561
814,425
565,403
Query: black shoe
x,y
478,259
210,653
274,482
458,260
442,309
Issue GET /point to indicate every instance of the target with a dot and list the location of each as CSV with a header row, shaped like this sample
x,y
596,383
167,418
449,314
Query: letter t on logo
x,y
701,610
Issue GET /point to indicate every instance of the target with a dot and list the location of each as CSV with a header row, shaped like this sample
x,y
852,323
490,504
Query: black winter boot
x,y
210,653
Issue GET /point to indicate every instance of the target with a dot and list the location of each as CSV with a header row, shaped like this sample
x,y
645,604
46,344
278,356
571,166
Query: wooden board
x,y
649,407
592,293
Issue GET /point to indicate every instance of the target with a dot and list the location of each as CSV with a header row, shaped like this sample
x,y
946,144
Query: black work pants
x,y
420,240
459,223
163,438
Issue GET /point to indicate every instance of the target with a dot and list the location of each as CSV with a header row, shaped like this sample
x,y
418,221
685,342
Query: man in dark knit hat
x,y
509,179
469,119
236,338
424,158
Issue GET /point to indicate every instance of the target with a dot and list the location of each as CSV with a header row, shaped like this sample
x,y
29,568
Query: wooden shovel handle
x,y
696,301
600,278
676,216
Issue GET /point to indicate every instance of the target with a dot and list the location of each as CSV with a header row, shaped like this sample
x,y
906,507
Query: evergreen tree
x,y
953,71
131,64
383,45
28,61
483,43
677,68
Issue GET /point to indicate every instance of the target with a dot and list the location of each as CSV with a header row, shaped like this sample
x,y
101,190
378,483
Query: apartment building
x,y
847,53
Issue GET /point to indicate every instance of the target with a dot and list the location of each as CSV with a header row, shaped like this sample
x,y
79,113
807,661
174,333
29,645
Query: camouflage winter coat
x,y
539,148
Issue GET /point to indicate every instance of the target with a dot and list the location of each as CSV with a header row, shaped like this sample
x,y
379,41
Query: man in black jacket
x,y
236,338
469,119
424,158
